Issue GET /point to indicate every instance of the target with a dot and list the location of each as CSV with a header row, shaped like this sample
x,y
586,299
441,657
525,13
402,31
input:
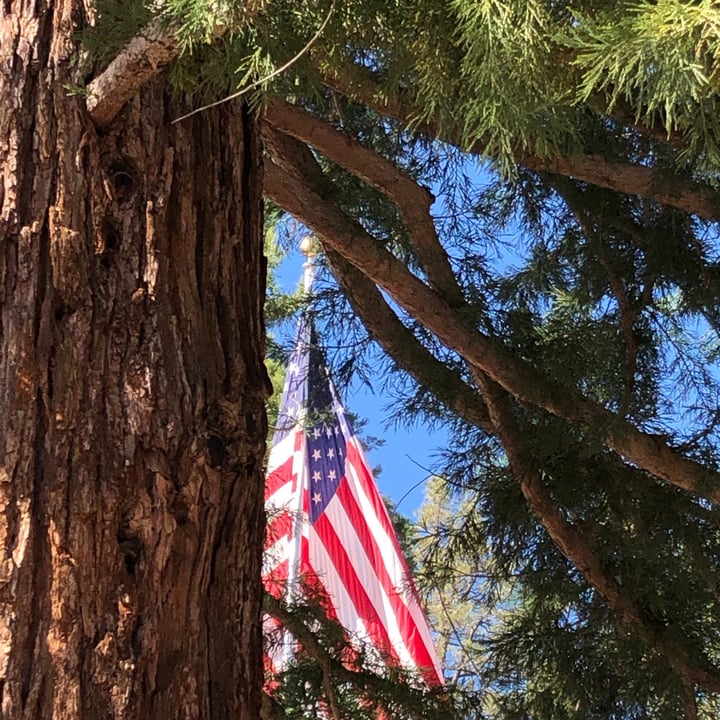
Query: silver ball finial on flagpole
x,y
308,246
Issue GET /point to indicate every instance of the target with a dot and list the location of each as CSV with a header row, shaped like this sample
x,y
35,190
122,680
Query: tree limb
x,y
403,347
145,56
519,377
574,546
632,179
136,64
412,200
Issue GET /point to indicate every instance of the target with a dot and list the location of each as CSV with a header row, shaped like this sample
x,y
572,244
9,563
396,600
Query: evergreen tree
x,y
560,315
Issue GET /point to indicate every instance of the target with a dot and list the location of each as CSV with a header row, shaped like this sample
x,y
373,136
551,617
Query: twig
x,y
265,79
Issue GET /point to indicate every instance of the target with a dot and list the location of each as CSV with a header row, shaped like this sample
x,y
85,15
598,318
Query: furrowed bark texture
x,y
132,394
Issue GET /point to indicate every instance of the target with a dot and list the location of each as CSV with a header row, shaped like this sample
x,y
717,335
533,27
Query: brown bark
x,y
287,187
412,201
404,348
144,57
132,387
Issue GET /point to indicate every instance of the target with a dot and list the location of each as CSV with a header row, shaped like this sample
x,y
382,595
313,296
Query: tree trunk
x,y
132,395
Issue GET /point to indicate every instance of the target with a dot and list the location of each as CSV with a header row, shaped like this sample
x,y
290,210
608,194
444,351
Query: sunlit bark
x,y
132,395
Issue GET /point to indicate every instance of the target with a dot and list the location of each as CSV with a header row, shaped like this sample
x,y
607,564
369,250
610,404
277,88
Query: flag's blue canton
x,y
325,440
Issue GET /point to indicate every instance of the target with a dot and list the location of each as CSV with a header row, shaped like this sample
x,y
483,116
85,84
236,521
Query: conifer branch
x,y
265,79
575,548
628,178
629,310
373,687
412,200
519,377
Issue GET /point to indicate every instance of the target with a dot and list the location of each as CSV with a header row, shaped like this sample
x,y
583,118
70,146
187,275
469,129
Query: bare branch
x,y
412,200
404,348
519,377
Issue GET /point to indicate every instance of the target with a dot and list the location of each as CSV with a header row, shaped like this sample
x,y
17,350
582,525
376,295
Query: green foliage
x,y
280,306
117,22
511,76
519,627
663,58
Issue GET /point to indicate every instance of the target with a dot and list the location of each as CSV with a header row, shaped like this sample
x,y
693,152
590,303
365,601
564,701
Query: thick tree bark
x,y
132,395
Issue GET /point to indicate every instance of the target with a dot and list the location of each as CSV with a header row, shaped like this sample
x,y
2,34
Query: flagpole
x,y
308,247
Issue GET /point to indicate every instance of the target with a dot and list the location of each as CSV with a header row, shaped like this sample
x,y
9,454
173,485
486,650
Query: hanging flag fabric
x,y
328,525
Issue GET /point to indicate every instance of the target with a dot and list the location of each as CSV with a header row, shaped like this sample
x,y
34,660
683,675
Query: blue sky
x,y
408,453
405,458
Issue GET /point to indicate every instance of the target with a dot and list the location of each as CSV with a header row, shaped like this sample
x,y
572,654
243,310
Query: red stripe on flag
x,y
408,628
278,477
279,525
275,581
345,569
367,483
356,461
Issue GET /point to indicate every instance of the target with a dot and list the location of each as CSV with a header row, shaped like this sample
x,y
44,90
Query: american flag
x,y
328,525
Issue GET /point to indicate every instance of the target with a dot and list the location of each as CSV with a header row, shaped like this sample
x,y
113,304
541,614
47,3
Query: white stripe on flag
x,y
367,576
393,560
